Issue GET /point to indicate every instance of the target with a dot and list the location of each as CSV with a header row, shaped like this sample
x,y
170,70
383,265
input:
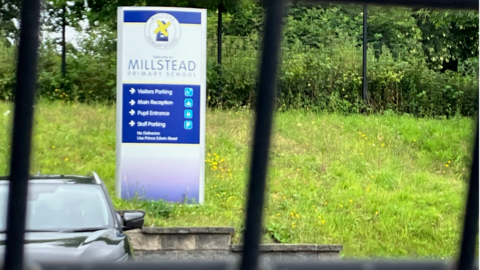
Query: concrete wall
x,y
214,244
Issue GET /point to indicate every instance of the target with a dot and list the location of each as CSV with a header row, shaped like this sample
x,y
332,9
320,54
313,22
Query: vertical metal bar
x,y
470,226
364,58
64,44
22,132
261,141
219,46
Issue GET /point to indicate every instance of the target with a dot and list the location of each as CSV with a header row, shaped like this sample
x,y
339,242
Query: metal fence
x,y
21,148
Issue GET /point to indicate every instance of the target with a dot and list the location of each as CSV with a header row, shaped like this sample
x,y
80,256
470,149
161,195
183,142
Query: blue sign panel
x,y
161,113
143,15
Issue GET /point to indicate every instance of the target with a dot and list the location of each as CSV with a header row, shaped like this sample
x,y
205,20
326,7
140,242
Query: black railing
x,y
21,148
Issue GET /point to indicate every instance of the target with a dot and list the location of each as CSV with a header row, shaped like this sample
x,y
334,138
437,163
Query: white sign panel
x,y
161,97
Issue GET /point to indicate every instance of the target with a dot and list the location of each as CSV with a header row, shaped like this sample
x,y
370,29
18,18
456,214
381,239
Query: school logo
x,y
162,31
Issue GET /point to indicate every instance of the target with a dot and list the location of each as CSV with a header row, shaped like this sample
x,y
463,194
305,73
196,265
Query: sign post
x,y
161,99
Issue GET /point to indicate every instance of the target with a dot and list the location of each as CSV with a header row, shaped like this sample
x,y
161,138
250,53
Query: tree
x,y
105,11
9,16
59,15
448,37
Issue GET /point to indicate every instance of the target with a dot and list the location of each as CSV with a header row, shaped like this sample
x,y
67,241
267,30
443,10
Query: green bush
x,y
330,78
91,70
7,70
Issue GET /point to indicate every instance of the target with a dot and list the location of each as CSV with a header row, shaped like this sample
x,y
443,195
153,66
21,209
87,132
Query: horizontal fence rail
x,y
443,4
21,147
348,265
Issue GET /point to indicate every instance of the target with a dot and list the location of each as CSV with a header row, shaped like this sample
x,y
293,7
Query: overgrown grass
x,y
381,185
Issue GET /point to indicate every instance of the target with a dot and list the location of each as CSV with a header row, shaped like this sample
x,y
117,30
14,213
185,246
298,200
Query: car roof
x,y
60,179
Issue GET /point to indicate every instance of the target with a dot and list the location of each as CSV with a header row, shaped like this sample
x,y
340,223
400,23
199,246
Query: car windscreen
x,y
60,207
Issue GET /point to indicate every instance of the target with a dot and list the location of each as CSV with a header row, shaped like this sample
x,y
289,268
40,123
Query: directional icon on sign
x,y
188,103
132,112
132,102
131,123
132,91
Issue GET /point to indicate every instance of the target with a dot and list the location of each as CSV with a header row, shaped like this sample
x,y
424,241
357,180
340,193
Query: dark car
x,y
72,218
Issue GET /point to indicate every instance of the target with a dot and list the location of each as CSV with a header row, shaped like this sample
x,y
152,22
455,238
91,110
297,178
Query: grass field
x,y
382,185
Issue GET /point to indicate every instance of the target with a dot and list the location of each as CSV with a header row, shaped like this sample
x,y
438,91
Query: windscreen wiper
x,y
92,229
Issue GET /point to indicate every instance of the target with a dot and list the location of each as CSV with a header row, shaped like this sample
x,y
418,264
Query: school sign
x,y
161,97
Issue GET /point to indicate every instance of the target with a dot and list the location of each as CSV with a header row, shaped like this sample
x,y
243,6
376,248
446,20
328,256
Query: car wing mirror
x,y
133,219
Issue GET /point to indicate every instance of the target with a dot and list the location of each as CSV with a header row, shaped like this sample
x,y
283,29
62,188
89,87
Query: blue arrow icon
x,y
188,103
188,124
188,114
